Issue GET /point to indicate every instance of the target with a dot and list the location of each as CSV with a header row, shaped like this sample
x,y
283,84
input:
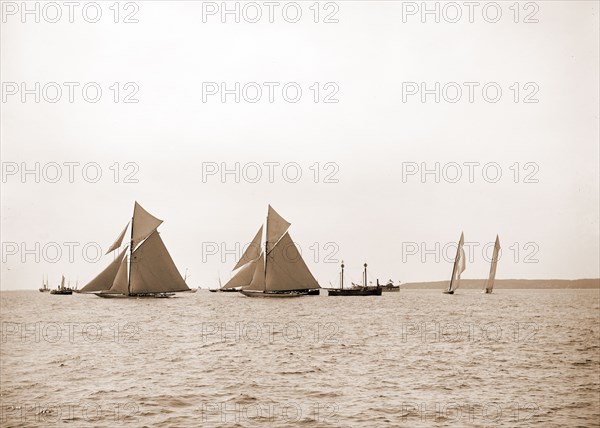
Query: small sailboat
x,y
44,288
356,290
459,266
144,268
62,290
275,268
489,284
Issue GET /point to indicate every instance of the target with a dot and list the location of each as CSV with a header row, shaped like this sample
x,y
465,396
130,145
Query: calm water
x,y
415,358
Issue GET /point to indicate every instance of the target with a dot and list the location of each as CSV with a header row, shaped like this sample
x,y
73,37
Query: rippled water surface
x,y
414,358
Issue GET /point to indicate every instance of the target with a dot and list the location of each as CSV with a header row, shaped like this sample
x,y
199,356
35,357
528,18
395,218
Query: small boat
x,y
62,290
356,290
229,287
489,284
148,271
458,268
44,287
278,271
389,287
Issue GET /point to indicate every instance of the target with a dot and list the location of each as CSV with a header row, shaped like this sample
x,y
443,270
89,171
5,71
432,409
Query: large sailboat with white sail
x,y
143,268
489,284
272,266
459,266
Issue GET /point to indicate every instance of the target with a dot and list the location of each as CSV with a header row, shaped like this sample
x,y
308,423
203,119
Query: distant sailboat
x,y
62,290
459,266
356,290
489,284
276,271
147,271
44,287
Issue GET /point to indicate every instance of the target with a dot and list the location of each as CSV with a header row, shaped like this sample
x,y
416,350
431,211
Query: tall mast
x,y
266,247
342,276
130,255
365,276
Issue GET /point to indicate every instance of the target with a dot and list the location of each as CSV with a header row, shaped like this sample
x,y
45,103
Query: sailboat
x,y
489,284
144,268
356,290
459,266
275,268
62,289
44,287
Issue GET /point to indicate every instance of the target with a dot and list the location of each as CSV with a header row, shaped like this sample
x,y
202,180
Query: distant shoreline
x,y
509,284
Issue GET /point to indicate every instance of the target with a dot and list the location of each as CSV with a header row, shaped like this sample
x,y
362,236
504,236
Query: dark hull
x,y
390,289
135,296
43,290
62,292
274,294
363,291
225,290
448,292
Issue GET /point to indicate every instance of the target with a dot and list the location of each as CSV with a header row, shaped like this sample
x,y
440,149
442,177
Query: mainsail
x,y
105,279
152,269
489,285
282,268
286,270
459,264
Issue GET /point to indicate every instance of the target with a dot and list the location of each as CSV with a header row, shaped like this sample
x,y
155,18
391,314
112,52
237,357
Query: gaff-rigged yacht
x,y
144,268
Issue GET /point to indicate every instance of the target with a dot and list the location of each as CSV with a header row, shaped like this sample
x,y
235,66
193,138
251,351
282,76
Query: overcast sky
x,y
370,202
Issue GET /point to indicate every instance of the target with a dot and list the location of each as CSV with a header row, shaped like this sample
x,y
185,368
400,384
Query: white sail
x,y
460,268
252,252
243,277
62,282
489,285
276,227
286,270
258,282
121,282
456,267
143,224
153,269
118,241
104,280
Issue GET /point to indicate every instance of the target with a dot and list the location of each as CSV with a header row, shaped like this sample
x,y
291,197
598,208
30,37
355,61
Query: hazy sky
x,y
369,202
